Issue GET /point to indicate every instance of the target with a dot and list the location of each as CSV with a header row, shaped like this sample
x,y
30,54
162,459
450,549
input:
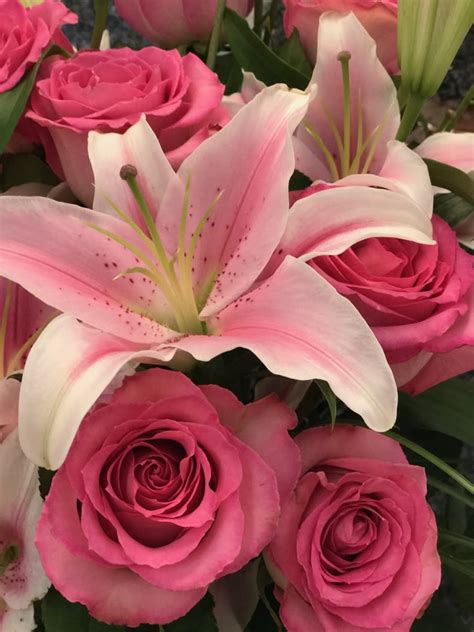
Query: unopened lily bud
x,y
429,35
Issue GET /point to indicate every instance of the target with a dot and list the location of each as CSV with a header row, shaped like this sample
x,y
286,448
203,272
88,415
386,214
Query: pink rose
x,y
172,23
378,17
108,91
26,33
356,545
164,490
415,297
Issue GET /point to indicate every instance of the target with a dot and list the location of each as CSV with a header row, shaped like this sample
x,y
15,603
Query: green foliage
x,y
446,408
452,208
237,370
455,180
330,398
19,169
229,72
299,181
265,617
438,617
13,102
201,618
292,52
253,55
60,615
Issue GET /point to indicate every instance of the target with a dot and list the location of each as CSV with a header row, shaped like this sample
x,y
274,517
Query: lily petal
x,y
301,328
47,247
67,370
244,170
373,94
328,222
139,147
402,171
455,149
20,507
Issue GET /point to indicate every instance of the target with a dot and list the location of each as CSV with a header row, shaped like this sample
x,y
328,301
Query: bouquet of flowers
x,y
236,319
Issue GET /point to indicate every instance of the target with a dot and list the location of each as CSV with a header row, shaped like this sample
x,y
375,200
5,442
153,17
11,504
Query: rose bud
x,y
378,17
171,23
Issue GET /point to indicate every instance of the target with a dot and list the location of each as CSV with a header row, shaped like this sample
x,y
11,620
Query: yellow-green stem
x,y
410,116
215,34
101,16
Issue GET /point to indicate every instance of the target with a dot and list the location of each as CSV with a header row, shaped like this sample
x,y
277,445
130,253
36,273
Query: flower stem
x,y
465,103
258,17
410,116
455,538
448,489
436,461
101,16
215,35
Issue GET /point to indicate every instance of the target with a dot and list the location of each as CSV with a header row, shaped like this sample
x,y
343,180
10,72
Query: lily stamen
x,y
176,284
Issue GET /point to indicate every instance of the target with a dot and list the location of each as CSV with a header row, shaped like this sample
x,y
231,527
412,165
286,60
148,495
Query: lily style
x,y
365,183
171,262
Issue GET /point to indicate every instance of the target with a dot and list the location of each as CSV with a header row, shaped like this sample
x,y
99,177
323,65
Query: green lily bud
x,y
430,33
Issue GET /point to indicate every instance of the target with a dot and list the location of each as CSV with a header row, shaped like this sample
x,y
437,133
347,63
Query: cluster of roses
x,y
171,239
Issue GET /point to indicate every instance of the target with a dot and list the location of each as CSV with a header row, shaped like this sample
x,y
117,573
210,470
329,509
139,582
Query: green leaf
x,y
445,408
60,615
22,168
45,480
330,399
466,568
13,102
201,618
451,491
253,55
452,539
452,208
438,617
293,53
434,460
299,181
455,180
229,72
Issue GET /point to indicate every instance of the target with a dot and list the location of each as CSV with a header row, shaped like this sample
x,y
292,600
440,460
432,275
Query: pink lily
x,y
366,183
177,271
22,318
22,578
456,150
